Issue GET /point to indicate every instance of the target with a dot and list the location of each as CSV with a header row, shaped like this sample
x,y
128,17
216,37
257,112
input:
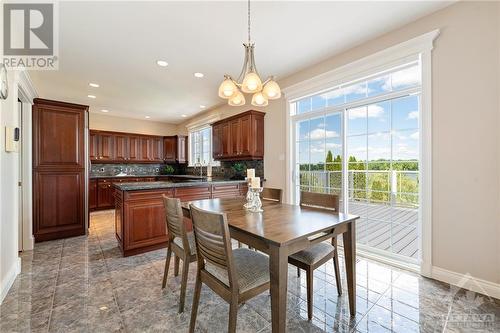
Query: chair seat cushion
x,y
251,267
192,245
313,254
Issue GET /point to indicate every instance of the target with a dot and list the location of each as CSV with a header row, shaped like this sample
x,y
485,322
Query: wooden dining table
x,y
281,230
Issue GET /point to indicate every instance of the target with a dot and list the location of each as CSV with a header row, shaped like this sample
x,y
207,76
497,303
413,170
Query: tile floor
x,y
83,284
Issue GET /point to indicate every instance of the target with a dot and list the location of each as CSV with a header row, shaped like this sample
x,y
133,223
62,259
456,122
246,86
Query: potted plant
x,y
239,171
168,170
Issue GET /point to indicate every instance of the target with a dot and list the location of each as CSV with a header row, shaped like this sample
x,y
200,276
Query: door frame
x,y
422,47
26,94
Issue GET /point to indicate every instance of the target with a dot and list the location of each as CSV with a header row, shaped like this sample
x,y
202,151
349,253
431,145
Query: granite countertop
x,y
137,186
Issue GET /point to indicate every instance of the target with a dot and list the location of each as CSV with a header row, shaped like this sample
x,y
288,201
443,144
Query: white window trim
x,y
390,57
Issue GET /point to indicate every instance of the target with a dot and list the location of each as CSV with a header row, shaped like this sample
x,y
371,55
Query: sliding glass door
x,y
361,142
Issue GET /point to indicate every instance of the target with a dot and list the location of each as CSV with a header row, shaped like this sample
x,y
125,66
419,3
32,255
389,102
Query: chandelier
x,y
249,81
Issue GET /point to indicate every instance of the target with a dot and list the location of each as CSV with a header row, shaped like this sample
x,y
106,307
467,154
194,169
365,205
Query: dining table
x,y
281,230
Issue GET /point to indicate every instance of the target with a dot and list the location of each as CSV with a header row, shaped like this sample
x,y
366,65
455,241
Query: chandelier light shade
x,y
258,99
237,100
249,81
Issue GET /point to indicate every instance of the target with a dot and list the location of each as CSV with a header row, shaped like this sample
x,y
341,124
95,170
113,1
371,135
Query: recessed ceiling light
x,y
183,115
147,117
91,96
202,106
94,85
198,74
104,110
162,63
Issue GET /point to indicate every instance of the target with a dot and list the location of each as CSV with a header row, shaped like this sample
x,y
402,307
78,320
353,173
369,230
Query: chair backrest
x,y
273,194
213,242
328,201
175,220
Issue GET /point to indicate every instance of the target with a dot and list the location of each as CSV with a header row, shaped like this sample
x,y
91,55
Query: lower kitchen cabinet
x,y
92,194
105,192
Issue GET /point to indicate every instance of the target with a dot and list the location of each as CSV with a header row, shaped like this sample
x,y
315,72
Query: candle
x,y
250,173
255,182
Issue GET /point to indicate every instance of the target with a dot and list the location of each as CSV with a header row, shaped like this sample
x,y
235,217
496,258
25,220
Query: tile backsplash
x,y
225,170
131,169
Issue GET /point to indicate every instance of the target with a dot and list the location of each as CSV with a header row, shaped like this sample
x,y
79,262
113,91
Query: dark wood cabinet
x,y
58,169
92,194
106,147
105,192
240,137
134,148
157,149
175,149
121,147
93,146
216,141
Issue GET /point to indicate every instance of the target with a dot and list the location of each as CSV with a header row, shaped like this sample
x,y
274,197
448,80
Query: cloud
x,y
374,111
412,115
404,77
414,136
320,133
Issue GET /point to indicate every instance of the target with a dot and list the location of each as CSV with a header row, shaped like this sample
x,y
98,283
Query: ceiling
x,y
117,44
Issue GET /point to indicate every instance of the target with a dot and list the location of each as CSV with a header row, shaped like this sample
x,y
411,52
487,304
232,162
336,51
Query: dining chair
x,y
271,194
235,275
317,254
180,242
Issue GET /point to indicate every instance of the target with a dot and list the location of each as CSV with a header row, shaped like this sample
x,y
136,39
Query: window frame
x,y
191,158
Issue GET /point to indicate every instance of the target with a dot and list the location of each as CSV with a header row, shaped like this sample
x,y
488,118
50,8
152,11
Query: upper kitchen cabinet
x,y
175,149
240,137
115,147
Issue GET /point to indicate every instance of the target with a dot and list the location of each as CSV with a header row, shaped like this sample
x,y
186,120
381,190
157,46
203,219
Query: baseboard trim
x,y
467,281
10,278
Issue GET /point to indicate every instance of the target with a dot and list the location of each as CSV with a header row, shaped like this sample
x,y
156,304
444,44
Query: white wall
x,y
9,202
119,124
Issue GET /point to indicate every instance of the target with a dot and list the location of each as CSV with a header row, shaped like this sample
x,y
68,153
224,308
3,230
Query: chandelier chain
x,y
248,21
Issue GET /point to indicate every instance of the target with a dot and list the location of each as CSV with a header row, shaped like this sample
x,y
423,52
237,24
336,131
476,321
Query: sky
x,y
383,130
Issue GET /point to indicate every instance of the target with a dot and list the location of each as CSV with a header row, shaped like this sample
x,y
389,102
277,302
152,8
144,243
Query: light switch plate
x,y
10,144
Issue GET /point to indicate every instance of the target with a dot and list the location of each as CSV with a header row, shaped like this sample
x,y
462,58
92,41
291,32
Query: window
x,y
360,140
200,147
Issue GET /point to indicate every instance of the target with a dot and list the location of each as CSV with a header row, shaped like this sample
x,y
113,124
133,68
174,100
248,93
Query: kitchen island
x,y
140,214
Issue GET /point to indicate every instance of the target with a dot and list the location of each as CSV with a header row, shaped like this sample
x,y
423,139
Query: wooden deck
x,y
387,228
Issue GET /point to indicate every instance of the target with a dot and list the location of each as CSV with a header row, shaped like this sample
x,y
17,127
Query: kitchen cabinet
x,y
175,149
93,146
134,148
121,147
92,194
58,169
105,191
106,147
157,149
240,137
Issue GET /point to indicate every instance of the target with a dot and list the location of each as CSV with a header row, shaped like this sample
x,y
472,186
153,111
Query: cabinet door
x,y
182,149
247,136
235,137
104,194
121,147
134,145
106,146
92,194
93,146
226,140
169,148
257,128
156,149
216,141
146,154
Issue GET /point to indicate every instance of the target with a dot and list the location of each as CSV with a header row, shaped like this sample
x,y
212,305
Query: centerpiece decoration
x,y
253,195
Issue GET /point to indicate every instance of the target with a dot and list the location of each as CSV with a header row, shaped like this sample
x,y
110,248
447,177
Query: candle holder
x,y
253,200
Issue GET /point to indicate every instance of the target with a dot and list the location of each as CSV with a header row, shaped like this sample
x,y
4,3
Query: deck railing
x,y
389,187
